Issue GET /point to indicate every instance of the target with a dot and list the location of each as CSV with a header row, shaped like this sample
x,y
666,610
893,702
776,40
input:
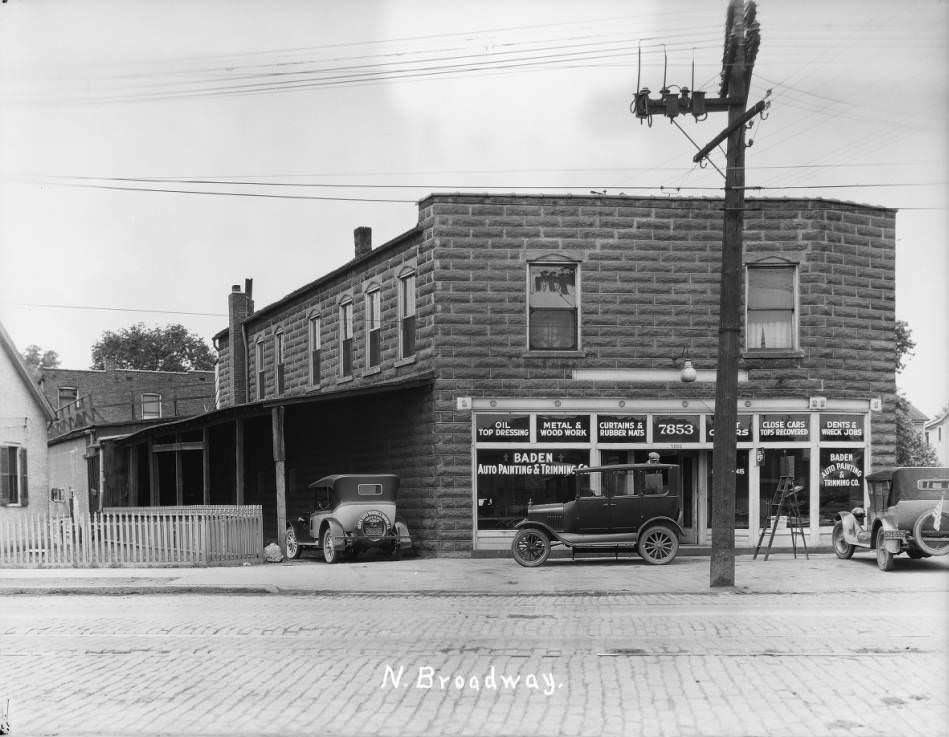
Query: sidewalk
x,y
491,576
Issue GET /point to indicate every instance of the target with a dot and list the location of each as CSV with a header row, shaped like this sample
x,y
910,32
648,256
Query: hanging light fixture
x,y
688,373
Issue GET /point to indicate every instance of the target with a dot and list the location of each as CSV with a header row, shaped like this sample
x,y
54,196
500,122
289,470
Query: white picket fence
x,y
135,537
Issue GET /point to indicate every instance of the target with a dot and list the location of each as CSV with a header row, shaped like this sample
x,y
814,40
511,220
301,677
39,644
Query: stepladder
x,y
784,504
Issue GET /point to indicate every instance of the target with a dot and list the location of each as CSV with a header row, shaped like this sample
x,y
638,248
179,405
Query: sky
x,y
338,115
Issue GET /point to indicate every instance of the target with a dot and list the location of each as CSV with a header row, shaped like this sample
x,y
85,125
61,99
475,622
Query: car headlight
x,y
373,525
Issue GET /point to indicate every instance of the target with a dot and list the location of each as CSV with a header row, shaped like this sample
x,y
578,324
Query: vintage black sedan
x,y
607,508
352,512
907,514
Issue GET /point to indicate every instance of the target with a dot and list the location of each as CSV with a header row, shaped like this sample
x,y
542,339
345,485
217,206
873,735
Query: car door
x,y
626,501
593,511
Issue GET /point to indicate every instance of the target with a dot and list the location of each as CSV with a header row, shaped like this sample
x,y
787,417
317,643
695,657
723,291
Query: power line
x,y
118,309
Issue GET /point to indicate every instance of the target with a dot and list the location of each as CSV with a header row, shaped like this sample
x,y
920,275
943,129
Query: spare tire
x,y
928,538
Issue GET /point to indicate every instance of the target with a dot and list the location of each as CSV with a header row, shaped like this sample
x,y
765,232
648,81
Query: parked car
x,y
352,512
607,508
907,514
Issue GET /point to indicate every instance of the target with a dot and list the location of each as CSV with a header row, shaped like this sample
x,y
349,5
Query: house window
x,y
374,328
278,361
771,321
67,395
151,406
407,316
314,332
346,339
553,307
13,475
261,373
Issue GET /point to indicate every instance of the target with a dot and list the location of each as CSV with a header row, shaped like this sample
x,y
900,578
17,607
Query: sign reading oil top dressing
x,y
784,428
841,427
742,428
675,428
504,428
621,428
563,429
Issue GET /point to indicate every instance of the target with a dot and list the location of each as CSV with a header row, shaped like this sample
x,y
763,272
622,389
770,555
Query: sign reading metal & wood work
x,y
563,429
675,429
504,428
843,428
784,428
621,428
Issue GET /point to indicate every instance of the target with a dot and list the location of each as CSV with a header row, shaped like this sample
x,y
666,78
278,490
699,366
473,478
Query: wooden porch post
x,y
133,476
206,465
238,461
179,481
280,462
152,475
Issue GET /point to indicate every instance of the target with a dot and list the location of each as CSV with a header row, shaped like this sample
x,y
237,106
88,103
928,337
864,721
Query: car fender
x,y
850,526
894,545
336,532
667,521
402,532
532,524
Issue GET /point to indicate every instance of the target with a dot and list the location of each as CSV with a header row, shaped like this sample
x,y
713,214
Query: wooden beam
x,y
152,476
133,476
238,461
206,466
179,480
280,472
174,447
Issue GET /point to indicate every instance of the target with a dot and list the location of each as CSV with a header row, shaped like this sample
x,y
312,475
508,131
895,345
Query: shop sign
x,y
563,429
841,468
842,428
621,428
525,462
742,428
503,428
784,428
675,428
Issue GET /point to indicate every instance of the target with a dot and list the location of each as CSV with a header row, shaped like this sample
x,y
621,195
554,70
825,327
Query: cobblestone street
x,y
476,664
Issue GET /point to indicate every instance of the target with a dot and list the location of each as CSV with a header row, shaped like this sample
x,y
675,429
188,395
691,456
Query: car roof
x,y
626,467
365,478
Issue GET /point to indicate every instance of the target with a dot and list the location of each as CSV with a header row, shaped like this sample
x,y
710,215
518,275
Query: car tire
x,y
885,560
926,520
842,549
293,547
658,545
531,547
330,554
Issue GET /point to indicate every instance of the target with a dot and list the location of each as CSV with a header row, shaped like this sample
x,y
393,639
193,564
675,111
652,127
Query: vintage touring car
x,y
353,512
907,514
608,508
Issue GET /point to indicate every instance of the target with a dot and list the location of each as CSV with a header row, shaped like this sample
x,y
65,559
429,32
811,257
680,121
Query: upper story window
x,y
261,373
346,339
407,315
315,344
374,327
553,307
278,361
13,475
151,406
771,319
67,395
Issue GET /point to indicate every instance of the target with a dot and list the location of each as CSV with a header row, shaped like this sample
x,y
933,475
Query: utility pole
x,y
741,47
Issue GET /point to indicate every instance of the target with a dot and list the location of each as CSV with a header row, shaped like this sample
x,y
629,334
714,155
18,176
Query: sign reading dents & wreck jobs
x,y
844,428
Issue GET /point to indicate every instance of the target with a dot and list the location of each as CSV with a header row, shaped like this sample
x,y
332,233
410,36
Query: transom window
x,y
374,327
771,319
151,406
407,315
346,339
315,344
553,322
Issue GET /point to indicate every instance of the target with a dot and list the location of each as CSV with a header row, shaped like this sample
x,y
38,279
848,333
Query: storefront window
x,y
841,482
508,479
784,462
741,491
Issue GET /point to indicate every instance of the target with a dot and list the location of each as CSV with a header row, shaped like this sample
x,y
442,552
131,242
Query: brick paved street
x,y
853,663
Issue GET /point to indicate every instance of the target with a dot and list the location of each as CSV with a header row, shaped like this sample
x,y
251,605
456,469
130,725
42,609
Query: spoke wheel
x,y
658,545
330,554
929,538
842,549
884,556
530,548
293,547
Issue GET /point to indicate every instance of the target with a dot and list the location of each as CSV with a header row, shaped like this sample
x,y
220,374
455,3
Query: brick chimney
x,y
363,238
239,306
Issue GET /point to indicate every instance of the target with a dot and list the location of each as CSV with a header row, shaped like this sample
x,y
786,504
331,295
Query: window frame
x,y
279,346
260,368
20,475
373,312
59,395
151,396
346,340
315,344
407,320
561,262
795,309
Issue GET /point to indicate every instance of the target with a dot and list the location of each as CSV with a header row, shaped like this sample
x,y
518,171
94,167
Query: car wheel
x,y
330,554
658,545
929,538
293,547
842,549
396,551
884,556
530,548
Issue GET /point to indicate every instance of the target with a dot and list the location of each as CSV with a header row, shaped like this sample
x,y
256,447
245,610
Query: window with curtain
x,y
346,339
771,323
315,344
553,302
374,327
407,316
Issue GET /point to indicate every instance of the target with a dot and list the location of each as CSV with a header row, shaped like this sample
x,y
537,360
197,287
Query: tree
x,y
36,358
911,447
169,348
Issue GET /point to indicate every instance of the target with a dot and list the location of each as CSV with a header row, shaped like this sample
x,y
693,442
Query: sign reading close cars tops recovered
x,y
621,428
742,428
504,428
841,427
675,429
563,429
784,428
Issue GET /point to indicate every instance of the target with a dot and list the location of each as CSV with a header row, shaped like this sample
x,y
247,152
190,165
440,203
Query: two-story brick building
x,y
506,337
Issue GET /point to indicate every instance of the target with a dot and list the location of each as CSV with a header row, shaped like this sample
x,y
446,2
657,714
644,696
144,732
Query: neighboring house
x,y
93,408
24,413
917,418
509,337
936,433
